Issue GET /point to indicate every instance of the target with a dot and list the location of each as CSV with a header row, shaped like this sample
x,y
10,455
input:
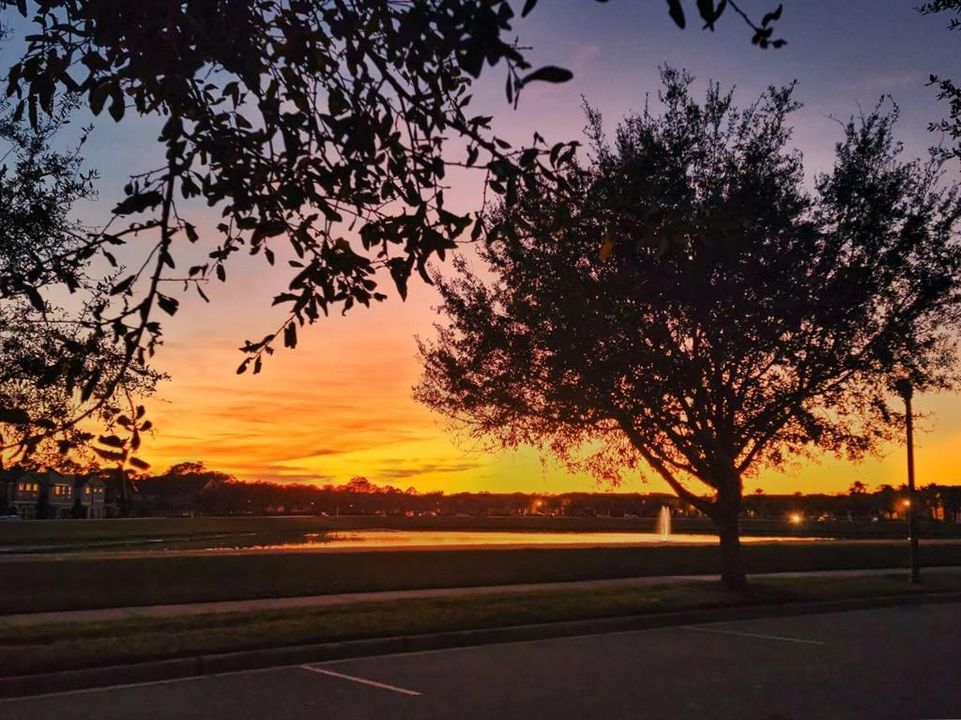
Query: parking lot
x,y
890,663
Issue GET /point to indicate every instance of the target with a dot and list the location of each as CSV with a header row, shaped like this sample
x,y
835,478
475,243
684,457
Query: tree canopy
x,y
50,357
683,303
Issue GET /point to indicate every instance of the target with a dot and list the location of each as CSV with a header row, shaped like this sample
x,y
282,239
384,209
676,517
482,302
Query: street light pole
x,y
905,390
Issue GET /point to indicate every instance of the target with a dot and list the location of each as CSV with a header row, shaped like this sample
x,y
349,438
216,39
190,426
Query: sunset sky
x,y
340,404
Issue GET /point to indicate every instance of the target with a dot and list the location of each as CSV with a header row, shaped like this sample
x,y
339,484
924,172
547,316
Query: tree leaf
x,y
400,272
34,297
168,304
139,202
772,16
110,455
676,12
123,285
290,335
548,73
87,391
14,416
117,106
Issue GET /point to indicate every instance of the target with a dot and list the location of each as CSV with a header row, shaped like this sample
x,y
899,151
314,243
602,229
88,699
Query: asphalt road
x,y
894,663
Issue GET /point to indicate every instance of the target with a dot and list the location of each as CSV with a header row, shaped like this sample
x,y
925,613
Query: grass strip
x,y
77,583
46,648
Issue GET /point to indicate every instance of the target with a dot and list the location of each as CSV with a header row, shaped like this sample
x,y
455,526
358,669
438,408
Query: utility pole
x,y
906,392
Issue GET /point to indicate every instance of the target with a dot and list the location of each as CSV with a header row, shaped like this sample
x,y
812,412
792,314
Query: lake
x,y
430,539
362,539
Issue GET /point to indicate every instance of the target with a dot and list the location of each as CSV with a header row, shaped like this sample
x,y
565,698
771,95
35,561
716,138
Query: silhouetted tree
x,y
52,354
696,310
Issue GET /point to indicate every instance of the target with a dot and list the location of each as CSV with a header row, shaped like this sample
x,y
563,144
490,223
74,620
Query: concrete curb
x,y
201,665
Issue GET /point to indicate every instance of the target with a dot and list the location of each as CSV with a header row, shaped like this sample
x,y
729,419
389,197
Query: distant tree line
x,y
885,502
191,488
359,497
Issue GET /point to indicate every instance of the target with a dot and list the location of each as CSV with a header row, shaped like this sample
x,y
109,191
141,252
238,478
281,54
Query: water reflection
x,y
425,539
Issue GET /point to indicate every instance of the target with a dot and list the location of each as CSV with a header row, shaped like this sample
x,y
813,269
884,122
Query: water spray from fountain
x,y
664,522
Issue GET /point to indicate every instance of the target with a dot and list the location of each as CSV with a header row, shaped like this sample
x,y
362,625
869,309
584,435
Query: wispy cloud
x,y
397,473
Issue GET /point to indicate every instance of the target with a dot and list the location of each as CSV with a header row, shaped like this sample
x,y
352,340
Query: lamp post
x,y
904,389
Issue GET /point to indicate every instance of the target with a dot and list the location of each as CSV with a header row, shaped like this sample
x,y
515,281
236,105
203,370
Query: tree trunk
x,y
732,562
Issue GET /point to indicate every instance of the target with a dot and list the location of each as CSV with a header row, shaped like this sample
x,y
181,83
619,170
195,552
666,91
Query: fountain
x,y
664,522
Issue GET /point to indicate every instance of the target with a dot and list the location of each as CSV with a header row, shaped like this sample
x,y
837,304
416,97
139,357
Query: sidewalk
x,y
311,601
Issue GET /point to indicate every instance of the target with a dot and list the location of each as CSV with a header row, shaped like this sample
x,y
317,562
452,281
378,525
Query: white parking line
x,y
750,635
362,681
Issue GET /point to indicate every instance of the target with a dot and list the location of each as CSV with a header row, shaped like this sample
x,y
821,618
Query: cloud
x,y
427,469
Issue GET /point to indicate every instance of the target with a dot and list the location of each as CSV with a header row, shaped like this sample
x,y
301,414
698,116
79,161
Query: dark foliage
x,y
52,354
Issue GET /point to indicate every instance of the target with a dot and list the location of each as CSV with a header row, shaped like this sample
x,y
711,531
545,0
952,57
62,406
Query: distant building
x,y
92,493
50,495
56,496
21,492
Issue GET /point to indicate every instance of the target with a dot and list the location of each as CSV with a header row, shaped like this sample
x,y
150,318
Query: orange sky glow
x,y
340,405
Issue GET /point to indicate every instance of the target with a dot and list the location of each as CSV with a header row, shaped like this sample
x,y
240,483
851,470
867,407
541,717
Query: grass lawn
x,y
69,583
77,645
